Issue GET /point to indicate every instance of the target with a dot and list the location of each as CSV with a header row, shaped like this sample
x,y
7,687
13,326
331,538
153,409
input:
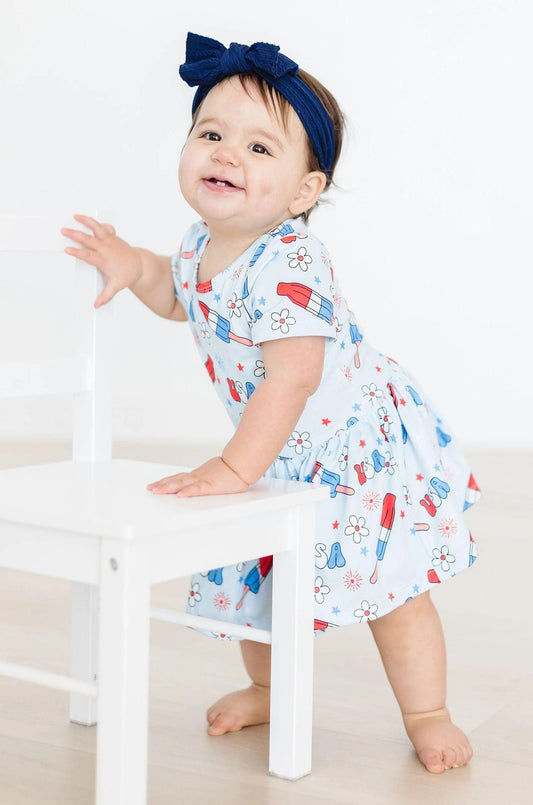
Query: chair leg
x,y
121,757
83,648
292,651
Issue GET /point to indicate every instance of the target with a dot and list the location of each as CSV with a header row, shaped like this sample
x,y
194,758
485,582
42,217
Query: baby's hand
x,y
120,263
212,478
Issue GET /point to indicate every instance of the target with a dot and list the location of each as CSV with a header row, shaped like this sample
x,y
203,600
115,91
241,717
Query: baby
x,y
310,398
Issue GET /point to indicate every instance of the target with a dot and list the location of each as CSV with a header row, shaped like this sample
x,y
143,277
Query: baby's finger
x,y
195,489
87,255
170,484
80,237
91,223
106,295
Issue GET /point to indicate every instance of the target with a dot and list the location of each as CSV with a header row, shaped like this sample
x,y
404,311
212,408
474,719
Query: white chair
x,y
91,521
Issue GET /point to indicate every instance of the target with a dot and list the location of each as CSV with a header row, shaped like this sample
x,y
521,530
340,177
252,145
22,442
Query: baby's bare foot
x,y
239,709
439,744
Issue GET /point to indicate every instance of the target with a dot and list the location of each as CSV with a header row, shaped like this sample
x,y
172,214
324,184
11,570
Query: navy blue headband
x,y
207,62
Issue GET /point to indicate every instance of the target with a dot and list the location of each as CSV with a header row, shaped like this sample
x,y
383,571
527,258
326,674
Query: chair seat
x,y
54,517
110,499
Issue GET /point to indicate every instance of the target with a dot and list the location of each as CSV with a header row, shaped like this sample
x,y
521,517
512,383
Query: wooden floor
x,y
360,752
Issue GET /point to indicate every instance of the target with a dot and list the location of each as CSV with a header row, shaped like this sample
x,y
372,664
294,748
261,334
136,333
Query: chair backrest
x,y
87,375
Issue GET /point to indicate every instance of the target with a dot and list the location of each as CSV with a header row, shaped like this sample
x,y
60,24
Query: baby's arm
x,y
147,275
293,370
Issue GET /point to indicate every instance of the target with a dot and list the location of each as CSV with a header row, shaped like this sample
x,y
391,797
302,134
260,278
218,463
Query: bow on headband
x,y
207,62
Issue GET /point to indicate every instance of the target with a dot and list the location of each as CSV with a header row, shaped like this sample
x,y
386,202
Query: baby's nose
x,y
225,155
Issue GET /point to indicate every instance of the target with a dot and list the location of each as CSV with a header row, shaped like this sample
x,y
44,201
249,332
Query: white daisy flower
x,y
384,419
443,558
321,590
234,305
282,321
343,458
366,612
300,259
356,528
259,370
371,392
194,594
390,464
300,441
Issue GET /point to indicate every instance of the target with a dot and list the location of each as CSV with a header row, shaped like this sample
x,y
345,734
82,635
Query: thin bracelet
x,y
223,460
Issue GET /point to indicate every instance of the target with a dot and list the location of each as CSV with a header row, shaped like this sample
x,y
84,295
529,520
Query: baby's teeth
x,y
221,184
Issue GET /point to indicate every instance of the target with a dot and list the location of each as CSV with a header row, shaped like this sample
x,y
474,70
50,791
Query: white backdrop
x,y
430,229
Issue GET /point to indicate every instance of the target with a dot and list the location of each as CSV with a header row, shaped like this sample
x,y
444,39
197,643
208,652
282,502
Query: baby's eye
x,y
211,135
257,148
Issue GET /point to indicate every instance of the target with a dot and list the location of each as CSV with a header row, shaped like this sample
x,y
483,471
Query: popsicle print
x,y
221,326
305,297
332,479
256,576
356,339
321,626
387,520
473,492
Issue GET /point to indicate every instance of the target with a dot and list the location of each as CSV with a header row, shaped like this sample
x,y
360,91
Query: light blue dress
x,y
394,523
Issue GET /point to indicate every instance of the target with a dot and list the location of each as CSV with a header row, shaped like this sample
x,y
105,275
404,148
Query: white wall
x,y
430,231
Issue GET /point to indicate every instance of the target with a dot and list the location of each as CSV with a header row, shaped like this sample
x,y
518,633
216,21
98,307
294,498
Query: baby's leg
x,y
242,708
411,643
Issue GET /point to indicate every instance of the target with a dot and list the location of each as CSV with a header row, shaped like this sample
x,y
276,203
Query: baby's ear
x,y
310,190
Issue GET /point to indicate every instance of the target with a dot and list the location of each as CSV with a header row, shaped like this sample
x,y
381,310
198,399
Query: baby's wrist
x,y
235,472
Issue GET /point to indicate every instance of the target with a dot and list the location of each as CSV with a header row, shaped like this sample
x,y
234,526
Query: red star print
x,y
240,367
391,597
335,524
326,421
185,285
378,368
362,443
402,401
419,477
402,515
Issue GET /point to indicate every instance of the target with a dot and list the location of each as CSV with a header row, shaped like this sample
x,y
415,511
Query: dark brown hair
x,y
275,101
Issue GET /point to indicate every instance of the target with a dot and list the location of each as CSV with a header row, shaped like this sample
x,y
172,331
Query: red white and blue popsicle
x,y
221,326
473,493
256,576
305,297
387,520
332,479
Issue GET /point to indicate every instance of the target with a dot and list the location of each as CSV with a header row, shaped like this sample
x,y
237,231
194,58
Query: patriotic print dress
x,y
393,525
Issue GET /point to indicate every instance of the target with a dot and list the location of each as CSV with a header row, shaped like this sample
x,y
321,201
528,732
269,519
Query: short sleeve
x,y
176,276
291,289
183,262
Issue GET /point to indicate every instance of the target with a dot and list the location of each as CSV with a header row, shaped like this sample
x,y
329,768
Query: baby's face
x,y
241,169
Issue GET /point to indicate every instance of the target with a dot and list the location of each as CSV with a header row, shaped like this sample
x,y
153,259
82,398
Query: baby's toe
x,y
450,757
220,723
463,754
433,760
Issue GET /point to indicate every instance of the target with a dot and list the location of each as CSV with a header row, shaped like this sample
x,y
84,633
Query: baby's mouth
x,y
222,183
